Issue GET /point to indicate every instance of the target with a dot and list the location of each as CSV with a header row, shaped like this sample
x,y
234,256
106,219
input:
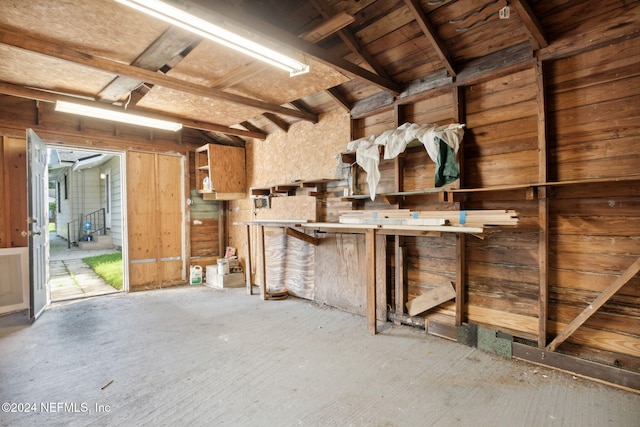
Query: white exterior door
x,y
37,223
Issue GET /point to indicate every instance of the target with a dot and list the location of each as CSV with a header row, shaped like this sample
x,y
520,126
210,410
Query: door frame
x,y
122,155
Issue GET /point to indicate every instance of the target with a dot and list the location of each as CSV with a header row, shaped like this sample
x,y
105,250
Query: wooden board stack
x,y
470,218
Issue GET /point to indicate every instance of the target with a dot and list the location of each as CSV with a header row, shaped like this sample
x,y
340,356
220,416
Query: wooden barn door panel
x,y
155,220
169,218
143,229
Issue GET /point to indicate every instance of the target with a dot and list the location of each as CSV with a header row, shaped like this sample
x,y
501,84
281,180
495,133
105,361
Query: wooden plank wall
x,y
500,143
593,106
429,260
13,182
594,101
501,148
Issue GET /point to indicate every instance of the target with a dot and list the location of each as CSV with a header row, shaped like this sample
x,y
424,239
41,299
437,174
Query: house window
x,y
66,189
58,199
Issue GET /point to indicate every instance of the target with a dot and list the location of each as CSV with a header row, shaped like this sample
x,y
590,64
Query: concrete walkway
x,y
70,277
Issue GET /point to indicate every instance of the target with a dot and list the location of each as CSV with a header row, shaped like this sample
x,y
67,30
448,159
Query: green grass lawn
x,y
109,267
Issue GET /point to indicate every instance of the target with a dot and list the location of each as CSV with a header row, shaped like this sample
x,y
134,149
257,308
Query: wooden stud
x,y
370,245
400,254
247,266
262,263
461,270
543,211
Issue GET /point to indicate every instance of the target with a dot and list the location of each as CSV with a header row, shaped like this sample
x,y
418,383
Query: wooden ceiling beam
x,y
252,68
23,41
277,121
531,22
251,127
339,98
39,95
350,40
265,29
331,25
431,34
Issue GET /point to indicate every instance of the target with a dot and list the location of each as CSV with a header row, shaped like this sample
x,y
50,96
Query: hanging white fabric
x,y
396,141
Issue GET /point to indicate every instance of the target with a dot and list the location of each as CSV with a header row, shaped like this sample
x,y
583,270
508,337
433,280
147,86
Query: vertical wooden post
x,y
399,276
262,276
370,251
543,210
381,277
247,264
222,228
460,276
461,264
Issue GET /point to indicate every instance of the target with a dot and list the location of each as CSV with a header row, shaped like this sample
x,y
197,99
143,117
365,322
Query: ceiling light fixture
x,y
218,34
117,116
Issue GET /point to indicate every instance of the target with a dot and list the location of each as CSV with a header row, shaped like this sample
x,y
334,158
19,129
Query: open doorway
x,y
86,204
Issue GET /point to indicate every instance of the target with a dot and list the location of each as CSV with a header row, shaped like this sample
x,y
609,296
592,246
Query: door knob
x,y
30,233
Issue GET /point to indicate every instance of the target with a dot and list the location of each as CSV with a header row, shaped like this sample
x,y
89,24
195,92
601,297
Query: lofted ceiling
x,y
362,54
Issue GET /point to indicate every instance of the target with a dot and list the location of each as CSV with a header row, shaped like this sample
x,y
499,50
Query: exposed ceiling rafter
x,y
59,51
287,39
431,34
531,22
39,95
349,39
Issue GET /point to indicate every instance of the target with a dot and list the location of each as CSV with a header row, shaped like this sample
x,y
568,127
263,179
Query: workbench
x,y
369,230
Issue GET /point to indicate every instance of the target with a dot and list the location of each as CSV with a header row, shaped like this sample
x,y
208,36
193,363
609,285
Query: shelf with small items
x,y
220,172
292,188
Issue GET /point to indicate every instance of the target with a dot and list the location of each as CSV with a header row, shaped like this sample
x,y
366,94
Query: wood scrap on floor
x,y
436,296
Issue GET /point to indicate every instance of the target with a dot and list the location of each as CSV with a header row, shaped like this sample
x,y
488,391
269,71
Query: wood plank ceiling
x,y
362,54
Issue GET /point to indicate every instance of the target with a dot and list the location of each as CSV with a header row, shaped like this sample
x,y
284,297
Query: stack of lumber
x,y
471,218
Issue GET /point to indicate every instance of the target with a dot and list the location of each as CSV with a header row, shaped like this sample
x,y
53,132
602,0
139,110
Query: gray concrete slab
x,y
200,357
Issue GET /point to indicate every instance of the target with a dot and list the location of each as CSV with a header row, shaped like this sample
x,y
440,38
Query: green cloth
x,y
446,166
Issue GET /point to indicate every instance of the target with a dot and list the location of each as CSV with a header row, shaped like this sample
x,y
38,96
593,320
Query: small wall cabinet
x,y
220,172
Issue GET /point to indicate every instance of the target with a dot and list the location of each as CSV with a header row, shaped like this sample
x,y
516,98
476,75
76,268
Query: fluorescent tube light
x,y
117,116
208,30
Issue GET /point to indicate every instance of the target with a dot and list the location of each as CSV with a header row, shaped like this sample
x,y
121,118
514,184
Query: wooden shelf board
x,y
213,195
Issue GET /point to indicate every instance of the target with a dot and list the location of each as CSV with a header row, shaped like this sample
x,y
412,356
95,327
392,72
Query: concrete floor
x,y
199,356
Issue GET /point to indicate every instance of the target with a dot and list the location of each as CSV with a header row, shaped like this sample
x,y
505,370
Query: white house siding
x,y
64,214
83,198
112,168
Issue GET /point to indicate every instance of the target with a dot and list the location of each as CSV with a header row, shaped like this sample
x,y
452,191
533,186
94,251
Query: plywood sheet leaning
x,y
439,294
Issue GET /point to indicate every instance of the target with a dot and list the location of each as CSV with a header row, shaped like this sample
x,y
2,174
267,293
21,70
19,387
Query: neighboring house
x,y
88,188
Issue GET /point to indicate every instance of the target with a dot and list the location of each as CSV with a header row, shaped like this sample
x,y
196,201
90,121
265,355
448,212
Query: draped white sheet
x,y
395,142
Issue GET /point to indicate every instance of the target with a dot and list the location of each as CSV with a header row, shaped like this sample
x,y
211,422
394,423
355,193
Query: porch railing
x,y
97,222
76,230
